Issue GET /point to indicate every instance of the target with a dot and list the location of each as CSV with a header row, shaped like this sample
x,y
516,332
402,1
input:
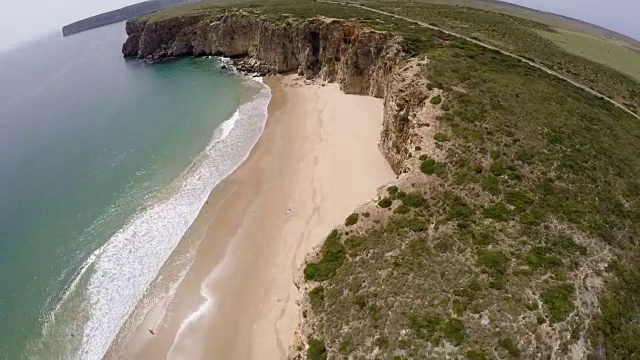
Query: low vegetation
x,y
385,203
588,61
504,230
316,350
351,219
316,298
440,137
436,100
559,301
333,255
609,53
516,234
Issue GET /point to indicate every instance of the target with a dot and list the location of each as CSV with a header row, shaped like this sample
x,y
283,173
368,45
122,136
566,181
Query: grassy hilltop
x,y
609,67
516,234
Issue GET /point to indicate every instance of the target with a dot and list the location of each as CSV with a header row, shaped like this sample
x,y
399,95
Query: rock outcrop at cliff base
x,y
361,60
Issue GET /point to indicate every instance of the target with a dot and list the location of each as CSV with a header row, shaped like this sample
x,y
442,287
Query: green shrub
x,y
559,301
423,157
413,199
440,170
418,148
405,222
316,298
425,326
381,342
498,168
346,347
445,107
354,243
458,307
519,200
392,190
531,219
402,209
475,354
436,100
568,245
541,257
454,331
332,257
494,261
491,184
443,246
619,321
385,203
316,350
360,301
351,219
532,306
428,166
463,177
525,155
497,281
483,239
440,137
497,211
458,208
508,344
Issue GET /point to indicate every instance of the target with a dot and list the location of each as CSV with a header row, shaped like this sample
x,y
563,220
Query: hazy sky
x,y
622,16
23,20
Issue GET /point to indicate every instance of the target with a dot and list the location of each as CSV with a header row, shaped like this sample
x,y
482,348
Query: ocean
x,y
104,165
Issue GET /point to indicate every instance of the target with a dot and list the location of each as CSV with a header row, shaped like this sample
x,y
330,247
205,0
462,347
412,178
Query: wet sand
x,y
316,161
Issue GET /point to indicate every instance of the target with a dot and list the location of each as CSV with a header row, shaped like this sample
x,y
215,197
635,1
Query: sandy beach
x,y
316,161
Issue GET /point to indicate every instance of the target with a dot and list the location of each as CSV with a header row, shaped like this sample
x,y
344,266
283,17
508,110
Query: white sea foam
x,y
185,345
227,126
125,266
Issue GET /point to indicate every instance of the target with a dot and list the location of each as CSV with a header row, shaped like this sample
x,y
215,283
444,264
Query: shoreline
x,y
238,299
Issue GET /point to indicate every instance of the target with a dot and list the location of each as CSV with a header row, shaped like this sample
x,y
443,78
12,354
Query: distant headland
x,y
125,13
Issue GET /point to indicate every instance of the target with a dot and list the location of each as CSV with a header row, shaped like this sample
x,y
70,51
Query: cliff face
x,y
360,60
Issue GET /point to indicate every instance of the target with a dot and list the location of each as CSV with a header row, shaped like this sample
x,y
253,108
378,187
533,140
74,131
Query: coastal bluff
x,y
511,228
361,60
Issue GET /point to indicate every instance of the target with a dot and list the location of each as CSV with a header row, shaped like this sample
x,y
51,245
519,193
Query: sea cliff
x,y
361,60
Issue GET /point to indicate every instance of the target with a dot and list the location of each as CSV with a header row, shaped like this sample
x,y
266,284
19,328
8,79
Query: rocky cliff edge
x,y
361,60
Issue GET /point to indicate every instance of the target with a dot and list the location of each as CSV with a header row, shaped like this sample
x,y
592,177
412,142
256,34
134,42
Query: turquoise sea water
x,y
104,164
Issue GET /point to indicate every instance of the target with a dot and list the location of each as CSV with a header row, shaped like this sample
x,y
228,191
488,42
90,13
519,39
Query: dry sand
x,y
317,161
